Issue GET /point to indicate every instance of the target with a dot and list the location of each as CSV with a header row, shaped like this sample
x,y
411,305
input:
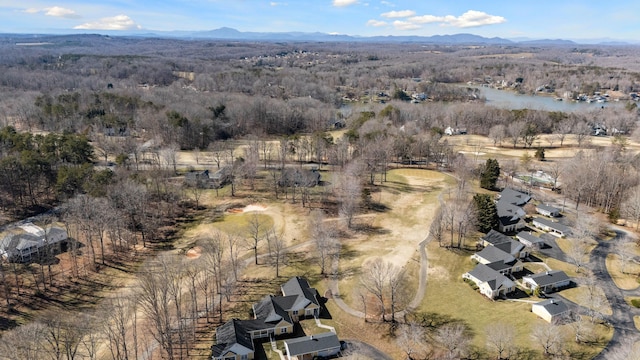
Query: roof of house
x,y
554,225
492,277
512,247
514,197
233,336
548,208
312,344
493,254
494,237
508,214
501,265
553,306
525,235
274,308
305,293
548,277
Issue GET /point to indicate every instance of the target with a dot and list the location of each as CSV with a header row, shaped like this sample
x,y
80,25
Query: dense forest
x,y
90,127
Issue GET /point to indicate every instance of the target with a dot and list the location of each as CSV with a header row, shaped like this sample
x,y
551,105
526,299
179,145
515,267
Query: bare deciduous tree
x,y
500,337
454,339
549,337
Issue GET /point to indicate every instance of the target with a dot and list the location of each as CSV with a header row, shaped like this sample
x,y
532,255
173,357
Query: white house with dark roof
x,y
529,240
312,347
553,228
490,282
504,243
547,210
233,342
306,302
273,316
551,310
547,281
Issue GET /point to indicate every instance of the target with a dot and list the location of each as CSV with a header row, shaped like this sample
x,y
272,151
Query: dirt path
x,y
402,255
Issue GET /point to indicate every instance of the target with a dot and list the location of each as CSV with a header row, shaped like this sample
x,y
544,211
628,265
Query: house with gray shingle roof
x,y
490,282
530,240
547,210
311,347
273,316
551,310
547,281
553,228
509,208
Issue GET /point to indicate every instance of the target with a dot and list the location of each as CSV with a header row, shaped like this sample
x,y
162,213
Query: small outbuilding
x,y
551,310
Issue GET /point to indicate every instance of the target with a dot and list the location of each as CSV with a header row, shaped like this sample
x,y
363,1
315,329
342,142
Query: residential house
x,y
454,131
553,228
547,281
492,254
306,302
505,243
529,240
233,342
547,210
509,208
273,316
490,282
312,347
27,242
273,312
551,310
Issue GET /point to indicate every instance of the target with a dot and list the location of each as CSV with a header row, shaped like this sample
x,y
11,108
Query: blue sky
x,y
570,19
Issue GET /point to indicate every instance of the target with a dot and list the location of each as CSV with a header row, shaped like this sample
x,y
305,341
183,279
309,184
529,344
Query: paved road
x,y
624,329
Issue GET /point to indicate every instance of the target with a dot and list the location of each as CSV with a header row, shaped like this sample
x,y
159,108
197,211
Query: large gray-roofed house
x,y
306,303
490,282
494,237
310,347
510,212
514,197
553,228
492,254
547,281
24,243
233,341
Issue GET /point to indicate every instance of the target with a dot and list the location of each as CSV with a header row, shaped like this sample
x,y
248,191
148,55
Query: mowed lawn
x,y
450,297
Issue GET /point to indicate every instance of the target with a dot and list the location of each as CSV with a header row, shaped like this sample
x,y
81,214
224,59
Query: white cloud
x,y
387,3
55,11
376,23
273,3
405,25
473,18
426,19
398,14
342,3
118,22
61,12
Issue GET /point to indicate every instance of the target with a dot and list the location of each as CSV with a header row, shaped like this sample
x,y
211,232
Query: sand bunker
x,y
248,208
194,252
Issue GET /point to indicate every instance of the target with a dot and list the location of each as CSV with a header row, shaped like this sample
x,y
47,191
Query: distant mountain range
x,y
226,33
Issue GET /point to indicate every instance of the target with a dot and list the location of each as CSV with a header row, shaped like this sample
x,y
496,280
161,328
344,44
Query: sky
x,y
549,19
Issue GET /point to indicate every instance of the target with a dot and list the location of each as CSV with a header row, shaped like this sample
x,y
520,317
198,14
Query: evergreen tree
x,y
489,175
486,212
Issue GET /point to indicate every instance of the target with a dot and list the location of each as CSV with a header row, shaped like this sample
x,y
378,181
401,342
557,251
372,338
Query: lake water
x,y
506,99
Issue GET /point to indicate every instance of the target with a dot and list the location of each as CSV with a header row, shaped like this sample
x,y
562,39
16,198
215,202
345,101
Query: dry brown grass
x,y
627,280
